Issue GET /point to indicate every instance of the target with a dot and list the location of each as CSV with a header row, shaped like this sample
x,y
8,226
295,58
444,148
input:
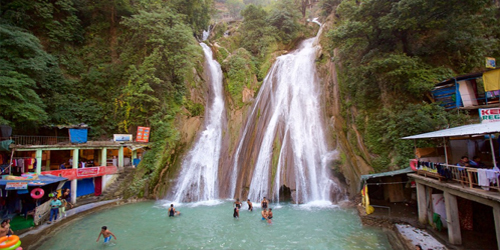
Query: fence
x,y
36,140
48,140
467,176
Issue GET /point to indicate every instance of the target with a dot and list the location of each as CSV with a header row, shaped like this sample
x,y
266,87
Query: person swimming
x,y
250,205
171,211
265,215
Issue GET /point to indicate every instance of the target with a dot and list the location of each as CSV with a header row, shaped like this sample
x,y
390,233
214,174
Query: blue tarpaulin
x,y
78,135
84,186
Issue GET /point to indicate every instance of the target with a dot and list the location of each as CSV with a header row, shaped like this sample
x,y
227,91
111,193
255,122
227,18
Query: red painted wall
x,y
82,173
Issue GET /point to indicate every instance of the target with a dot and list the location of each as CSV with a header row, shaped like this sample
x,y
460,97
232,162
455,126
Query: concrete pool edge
x,y
35,237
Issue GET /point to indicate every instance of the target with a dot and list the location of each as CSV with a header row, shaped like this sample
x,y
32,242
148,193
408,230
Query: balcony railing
x,y
466,176
29,140
37,140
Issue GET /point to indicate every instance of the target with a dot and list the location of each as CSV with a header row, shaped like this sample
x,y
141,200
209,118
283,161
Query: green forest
x,y
119,64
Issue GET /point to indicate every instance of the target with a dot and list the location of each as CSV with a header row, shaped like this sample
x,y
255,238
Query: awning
x,y
384,174
42,181
473,129
365,177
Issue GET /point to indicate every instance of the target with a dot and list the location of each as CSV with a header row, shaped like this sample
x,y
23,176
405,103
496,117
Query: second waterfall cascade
x,y
199,171
283,147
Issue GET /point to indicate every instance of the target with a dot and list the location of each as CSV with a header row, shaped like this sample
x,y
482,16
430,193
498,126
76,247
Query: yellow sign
x,y
491,80
490,63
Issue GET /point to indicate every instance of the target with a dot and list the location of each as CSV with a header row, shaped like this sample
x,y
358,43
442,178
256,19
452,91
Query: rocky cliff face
x,y
344,137
354,157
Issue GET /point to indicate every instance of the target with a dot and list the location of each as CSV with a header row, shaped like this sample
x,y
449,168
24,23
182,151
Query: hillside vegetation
x,y
392,53
119,64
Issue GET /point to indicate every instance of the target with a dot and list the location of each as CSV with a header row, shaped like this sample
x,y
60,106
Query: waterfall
x,y
283,140
198,177
315,20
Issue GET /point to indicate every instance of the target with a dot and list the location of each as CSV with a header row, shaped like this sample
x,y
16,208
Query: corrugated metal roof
x,y
473,129
390,173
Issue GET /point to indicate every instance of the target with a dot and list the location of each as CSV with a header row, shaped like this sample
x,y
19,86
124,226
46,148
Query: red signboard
x,y
143,134
81,173
87,172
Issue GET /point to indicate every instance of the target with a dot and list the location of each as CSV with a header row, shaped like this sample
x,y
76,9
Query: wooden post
x,y
454,234
47,164
445,151
496,216
422,203
493,152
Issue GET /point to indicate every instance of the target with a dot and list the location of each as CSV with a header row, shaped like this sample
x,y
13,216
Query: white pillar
x,y
38,156
454,234
74,182
104,179
422,203
120,157
104,156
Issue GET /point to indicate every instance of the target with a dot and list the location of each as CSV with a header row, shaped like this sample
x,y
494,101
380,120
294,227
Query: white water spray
x,y
198,178
293,114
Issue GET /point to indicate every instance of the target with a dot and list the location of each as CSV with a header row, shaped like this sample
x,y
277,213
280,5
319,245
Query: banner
x,y
122,137
90,172
142,134
491,80
489,115
16,185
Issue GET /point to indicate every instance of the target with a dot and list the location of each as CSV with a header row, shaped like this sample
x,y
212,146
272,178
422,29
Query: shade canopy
x,y
467,130
41,181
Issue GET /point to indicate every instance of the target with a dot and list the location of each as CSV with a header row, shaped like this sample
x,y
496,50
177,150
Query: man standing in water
x,y
236,213
250,206
263,203
171,211
237,203
106,234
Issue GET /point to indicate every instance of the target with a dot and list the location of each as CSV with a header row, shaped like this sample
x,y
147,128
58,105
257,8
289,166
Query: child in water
x,y
106,234
236,213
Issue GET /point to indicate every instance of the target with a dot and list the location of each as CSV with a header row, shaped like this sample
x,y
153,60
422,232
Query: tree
x,y
23,68
257,34
285,19
161,51
197,12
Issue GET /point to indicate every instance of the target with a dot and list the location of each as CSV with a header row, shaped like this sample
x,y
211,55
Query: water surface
x,y
146,225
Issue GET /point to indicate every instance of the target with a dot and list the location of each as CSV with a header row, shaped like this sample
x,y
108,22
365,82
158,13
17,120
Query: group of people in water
x,y
266,214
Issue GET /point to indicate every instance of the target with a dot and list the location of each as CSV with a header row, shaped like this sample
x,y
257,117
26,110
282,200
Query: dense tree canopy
x,y
393,52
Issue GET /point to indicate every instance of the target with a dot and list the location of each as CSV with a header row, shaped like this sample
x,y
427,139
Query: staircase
x,y
113,190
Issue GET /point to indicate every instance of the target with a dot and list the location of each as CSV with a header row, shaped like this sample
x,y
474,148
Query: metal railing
x,y
48,140
467,176
36,140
